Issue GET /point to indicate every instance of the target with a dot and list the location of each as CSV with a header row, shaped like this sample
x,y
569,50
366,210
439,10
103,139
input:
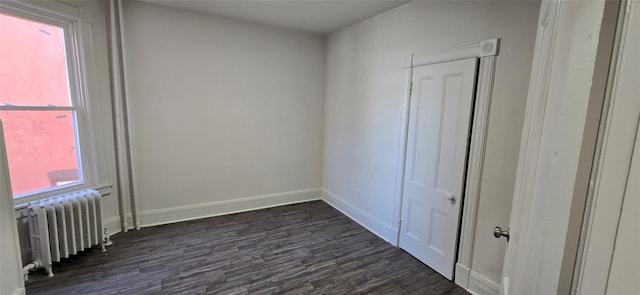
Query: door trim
x,y
532,127
480,49
620,135
486,51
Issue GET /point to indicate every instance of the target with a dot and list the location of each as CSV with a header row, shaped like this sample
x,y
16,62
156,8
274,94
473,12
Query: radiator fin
x,y
65,225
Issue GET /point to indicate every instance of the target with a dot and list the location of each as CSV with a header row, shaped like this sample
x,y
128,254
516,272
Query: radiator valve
x,y
107,238
31,266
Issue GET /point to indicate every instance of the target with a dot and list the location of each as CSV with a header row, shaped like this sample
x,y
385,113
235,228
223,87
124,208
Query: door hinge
x,y
410,88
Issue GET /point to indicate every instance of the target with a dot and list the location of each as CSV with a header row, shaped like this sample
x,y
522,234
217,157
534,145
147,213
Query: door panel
x,y
439,118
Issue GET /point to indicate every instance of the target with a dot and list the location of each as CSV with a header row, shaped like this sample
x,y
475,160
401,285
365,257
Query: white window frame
x,y
77,24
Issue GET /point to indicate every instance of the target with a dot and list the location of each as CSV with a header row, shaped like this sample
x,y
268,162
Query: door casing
x,y
486,51
556,137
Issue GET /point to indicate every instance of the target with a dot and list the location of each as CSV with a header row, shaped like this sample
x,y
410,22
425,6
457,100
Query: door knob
x,y
452,199
498,233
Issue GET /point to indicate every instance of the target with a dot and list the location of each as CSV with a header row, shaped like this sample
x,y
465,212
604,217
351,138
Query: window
x,y
41,104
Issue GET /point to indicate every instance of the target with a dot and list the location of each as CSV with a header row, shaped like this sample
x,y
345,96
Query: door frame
x,y
532,128
531,263
620,133
486,51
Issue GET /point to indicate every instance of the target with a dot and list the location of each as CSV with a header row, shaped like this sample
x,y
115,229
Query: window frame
x,y
76,24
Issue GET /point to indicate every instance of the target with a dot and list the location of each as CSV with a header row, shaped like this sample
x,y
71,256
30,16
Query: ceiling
x,y
317,16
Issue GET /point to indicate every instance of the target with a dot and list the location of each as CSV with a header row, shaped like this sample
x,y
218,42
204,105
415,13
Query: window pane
x,y
41,149
33,67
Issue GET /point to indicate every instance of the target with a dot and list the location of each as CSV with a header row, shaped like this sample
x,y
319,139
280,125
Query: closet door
x,y
439,118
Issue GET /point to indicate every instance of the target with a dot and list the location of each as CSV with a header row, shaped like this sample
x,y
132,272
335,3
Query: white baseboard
x,y
178,214
368,221
480,285
20,291
462,273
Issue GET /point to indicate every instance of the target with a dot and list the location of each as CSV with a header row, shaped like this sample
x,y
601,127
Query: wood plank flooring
x,y
307,248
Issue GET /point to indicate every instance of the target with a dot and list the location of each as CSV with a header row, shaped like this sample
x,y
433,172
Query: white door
x,y
439,118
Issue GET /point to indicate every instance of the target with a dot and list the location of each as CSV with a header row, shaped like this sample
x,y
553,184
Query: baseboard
x,y
20,291
480,285
462,273
178,214
371,223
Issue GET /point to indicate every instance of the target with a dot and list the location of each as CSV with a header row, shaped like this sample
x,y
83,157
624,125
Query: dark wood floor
x,y
307,248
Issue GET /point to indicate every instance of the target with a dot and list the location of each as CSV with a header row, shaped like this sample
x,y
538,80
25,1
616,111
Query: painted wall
x,y
220,109
364,93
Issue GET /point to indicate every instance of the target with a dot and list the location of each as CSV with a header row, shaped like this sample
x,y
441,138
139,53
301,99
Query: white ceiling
x,y
318,16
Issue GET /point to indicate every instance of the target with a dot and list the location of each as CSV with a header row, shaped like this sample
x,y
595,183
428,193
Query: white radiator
x,y
65,225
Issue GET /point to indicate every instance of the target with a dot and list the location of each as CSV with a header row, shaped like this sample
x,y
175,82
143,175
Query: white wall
x,y
365,88
220,110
